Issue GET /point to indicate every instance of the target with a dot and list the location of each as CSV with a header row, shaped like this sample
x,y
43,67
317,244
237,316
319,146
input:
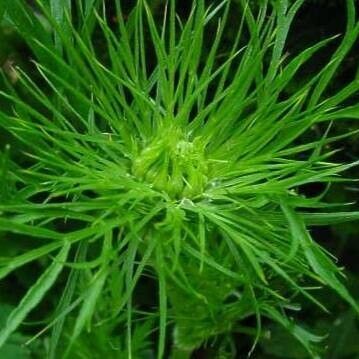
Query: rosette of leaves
x,y
151,148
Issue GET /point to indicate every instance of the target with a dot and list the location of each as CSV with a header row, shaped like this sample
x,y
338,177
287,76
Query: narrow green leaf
x,y
317,259
10,264
34,295
162,302
61,12
65,303
9,225
89,303
306,338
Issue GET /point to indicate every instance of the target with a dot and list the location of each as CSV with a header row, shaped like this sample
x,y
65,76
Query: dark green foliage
x,y
158,177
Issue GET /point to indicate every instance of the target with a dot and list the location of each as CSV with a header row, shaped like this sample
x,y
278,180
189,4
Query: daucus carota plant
x,y
153,150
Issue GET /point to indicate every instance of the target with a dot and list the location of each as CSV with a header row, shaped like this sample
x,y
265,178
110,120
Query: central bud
x,y
173,164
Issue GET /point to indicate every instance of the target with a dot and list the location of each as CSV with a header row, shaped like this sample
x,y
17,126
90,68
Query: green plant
x,y
156,153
